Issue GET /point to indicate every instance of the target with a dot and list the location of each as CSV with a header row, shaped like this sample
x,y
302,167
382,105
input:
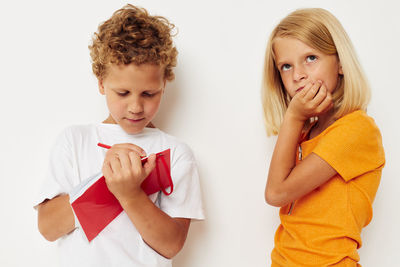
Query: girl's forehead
x,y
290,45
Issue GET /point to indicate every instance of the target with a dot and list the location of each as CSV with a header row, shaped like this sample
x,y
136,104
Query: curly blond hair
x,y
131,35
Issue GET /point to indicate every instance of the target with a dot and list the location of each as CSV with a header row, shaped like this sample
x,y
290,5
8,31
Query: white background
x,y
213,105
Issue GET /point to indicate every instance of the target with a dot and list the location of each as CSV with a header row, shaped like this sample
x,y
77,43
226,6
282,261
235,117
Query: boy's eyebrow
x,y
129,89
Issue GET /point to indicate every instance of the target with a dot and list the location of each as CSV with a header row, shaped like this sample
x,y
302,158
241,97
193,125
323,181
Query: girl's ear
x,y
340,68
101,87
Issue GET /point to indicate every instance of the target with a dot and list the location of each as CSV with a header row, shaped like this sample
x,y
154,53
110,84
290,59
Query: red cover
x,y
97,206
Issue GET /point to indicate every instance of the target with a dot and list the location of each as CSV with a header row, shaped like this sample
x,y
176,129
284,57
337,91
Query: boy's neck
x,y
150,125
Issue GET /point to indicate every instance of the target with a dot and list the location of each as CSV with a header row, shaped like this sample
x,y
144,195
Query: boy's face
x,y
133,94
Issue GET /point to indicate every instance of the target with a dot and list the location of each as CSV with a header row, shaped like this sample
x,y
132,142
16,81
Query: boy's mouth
x,y
135,120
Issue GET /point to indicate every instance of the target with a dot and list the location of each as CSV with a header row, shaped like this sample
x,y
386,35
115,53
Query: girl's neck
x,y
324,121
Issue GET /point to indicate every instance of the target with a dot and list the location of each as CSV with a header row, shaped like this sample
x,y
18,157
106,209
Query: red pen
x,y
103,145
108,147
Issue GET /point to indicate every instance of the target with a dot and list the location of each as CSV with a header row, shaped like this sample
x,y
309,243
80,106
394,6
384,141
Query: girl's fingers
x,y
321,95
313,91
305,90
326,104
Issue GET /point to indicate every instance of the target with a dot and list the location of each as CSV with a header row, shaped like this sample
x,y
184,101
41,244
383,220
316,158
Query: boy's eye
x,y
123,93
147,94
311,58
285,67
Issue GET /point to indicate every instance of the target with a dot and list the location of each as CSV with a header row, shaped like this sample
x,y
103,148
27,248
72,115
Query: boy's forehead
x,y
147,69
144,75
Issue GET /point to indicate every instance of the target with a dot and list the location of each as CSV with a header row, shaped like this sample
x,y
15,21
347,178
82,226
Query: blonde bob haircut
x,y
320,30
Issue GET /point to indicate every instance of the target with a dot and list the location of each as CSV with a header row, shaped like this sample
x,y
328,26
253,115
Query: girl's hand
x,y
313,100
124,172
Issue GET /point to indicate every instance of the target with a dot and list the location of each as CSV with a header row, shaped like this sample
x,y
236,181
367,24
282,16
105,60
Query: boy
x,y
133,57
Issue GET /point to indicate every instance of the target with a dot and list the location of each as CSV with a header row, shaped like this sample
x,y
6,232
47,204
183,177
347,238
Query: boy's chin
x,y
132,128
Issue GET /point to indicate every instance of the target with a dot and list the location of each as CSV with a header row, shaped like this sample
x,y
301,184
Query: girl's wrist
x,y
295,118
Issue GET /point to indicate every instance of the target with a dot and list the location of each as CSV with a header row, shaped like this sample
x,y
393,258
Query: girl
x,y
328,159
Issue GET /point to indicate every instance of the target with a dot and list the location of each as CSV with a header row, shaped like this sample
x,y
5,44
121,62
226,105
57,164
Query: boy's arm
x,y
124,174
164,234
55,217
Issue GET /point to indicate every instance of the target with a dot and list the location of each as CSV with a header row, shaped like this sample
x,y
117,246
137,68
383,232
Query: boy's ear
x,y
165,84
101,87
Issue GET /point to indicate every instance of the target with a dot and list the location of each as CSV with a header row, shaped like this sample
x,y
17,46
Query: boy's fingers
x,y
150,164
135,160
106,169
131,147
125,161
114,162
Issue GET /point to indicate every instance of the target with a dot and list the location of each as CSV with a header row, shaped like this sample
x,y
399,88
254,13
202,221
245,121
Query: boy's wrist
x,y
134,199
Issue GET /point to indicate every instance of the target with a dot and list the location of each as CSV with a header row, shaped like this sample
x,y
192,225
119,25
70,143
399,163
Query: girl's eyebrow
x,y
305,54
280,64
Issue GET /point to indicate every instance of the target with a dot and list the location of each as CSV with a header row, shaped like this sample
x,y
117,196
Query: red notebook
x,y
97,206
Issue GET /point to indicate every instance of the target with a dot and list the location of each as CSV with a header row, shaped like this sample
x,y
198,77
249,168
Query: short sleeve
x,y
58,179
185,201
353,146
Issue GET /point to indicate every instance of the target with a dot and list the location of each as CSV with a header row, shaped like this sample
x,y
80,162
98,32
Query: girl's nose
x,y
299,74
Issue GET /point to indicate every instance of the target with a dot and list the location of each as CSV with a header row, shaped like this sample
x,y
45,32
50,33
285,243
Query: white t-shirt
x,y
75,158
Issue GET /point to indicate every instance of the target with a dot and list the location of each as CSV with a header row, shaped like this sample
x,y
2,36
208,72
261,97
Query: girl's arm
x,y
286,181
124,173
55,218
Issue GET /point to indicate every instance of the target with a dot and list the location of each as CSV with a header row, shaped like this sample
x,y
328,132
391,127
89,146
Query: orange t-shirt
x,y
324,226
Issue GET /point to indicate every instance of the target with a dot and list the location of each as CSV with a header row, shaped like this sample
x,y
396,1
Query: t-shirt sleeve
x,y
58,179
185,201
353,147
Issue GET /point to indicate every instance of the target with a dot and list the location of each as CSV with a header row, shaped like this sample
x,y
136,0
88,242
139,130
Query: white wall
x,y
213,105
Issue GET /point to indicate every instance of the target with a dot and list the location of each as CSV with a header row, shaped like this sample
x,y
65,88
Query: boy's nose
x,y
135,106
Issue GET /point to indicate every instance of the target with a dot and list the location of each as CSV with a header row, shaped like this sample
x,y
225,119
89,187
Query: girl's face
x,y
299,64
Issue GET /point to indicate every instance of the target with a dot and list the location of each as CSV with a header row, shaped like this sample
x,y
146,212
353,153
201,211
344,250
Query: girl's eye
x,y
311,58
285,67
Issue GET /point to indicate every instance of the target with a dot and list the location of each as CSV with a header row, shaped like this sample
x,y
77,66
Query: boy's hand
x,y
313,100
124,172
